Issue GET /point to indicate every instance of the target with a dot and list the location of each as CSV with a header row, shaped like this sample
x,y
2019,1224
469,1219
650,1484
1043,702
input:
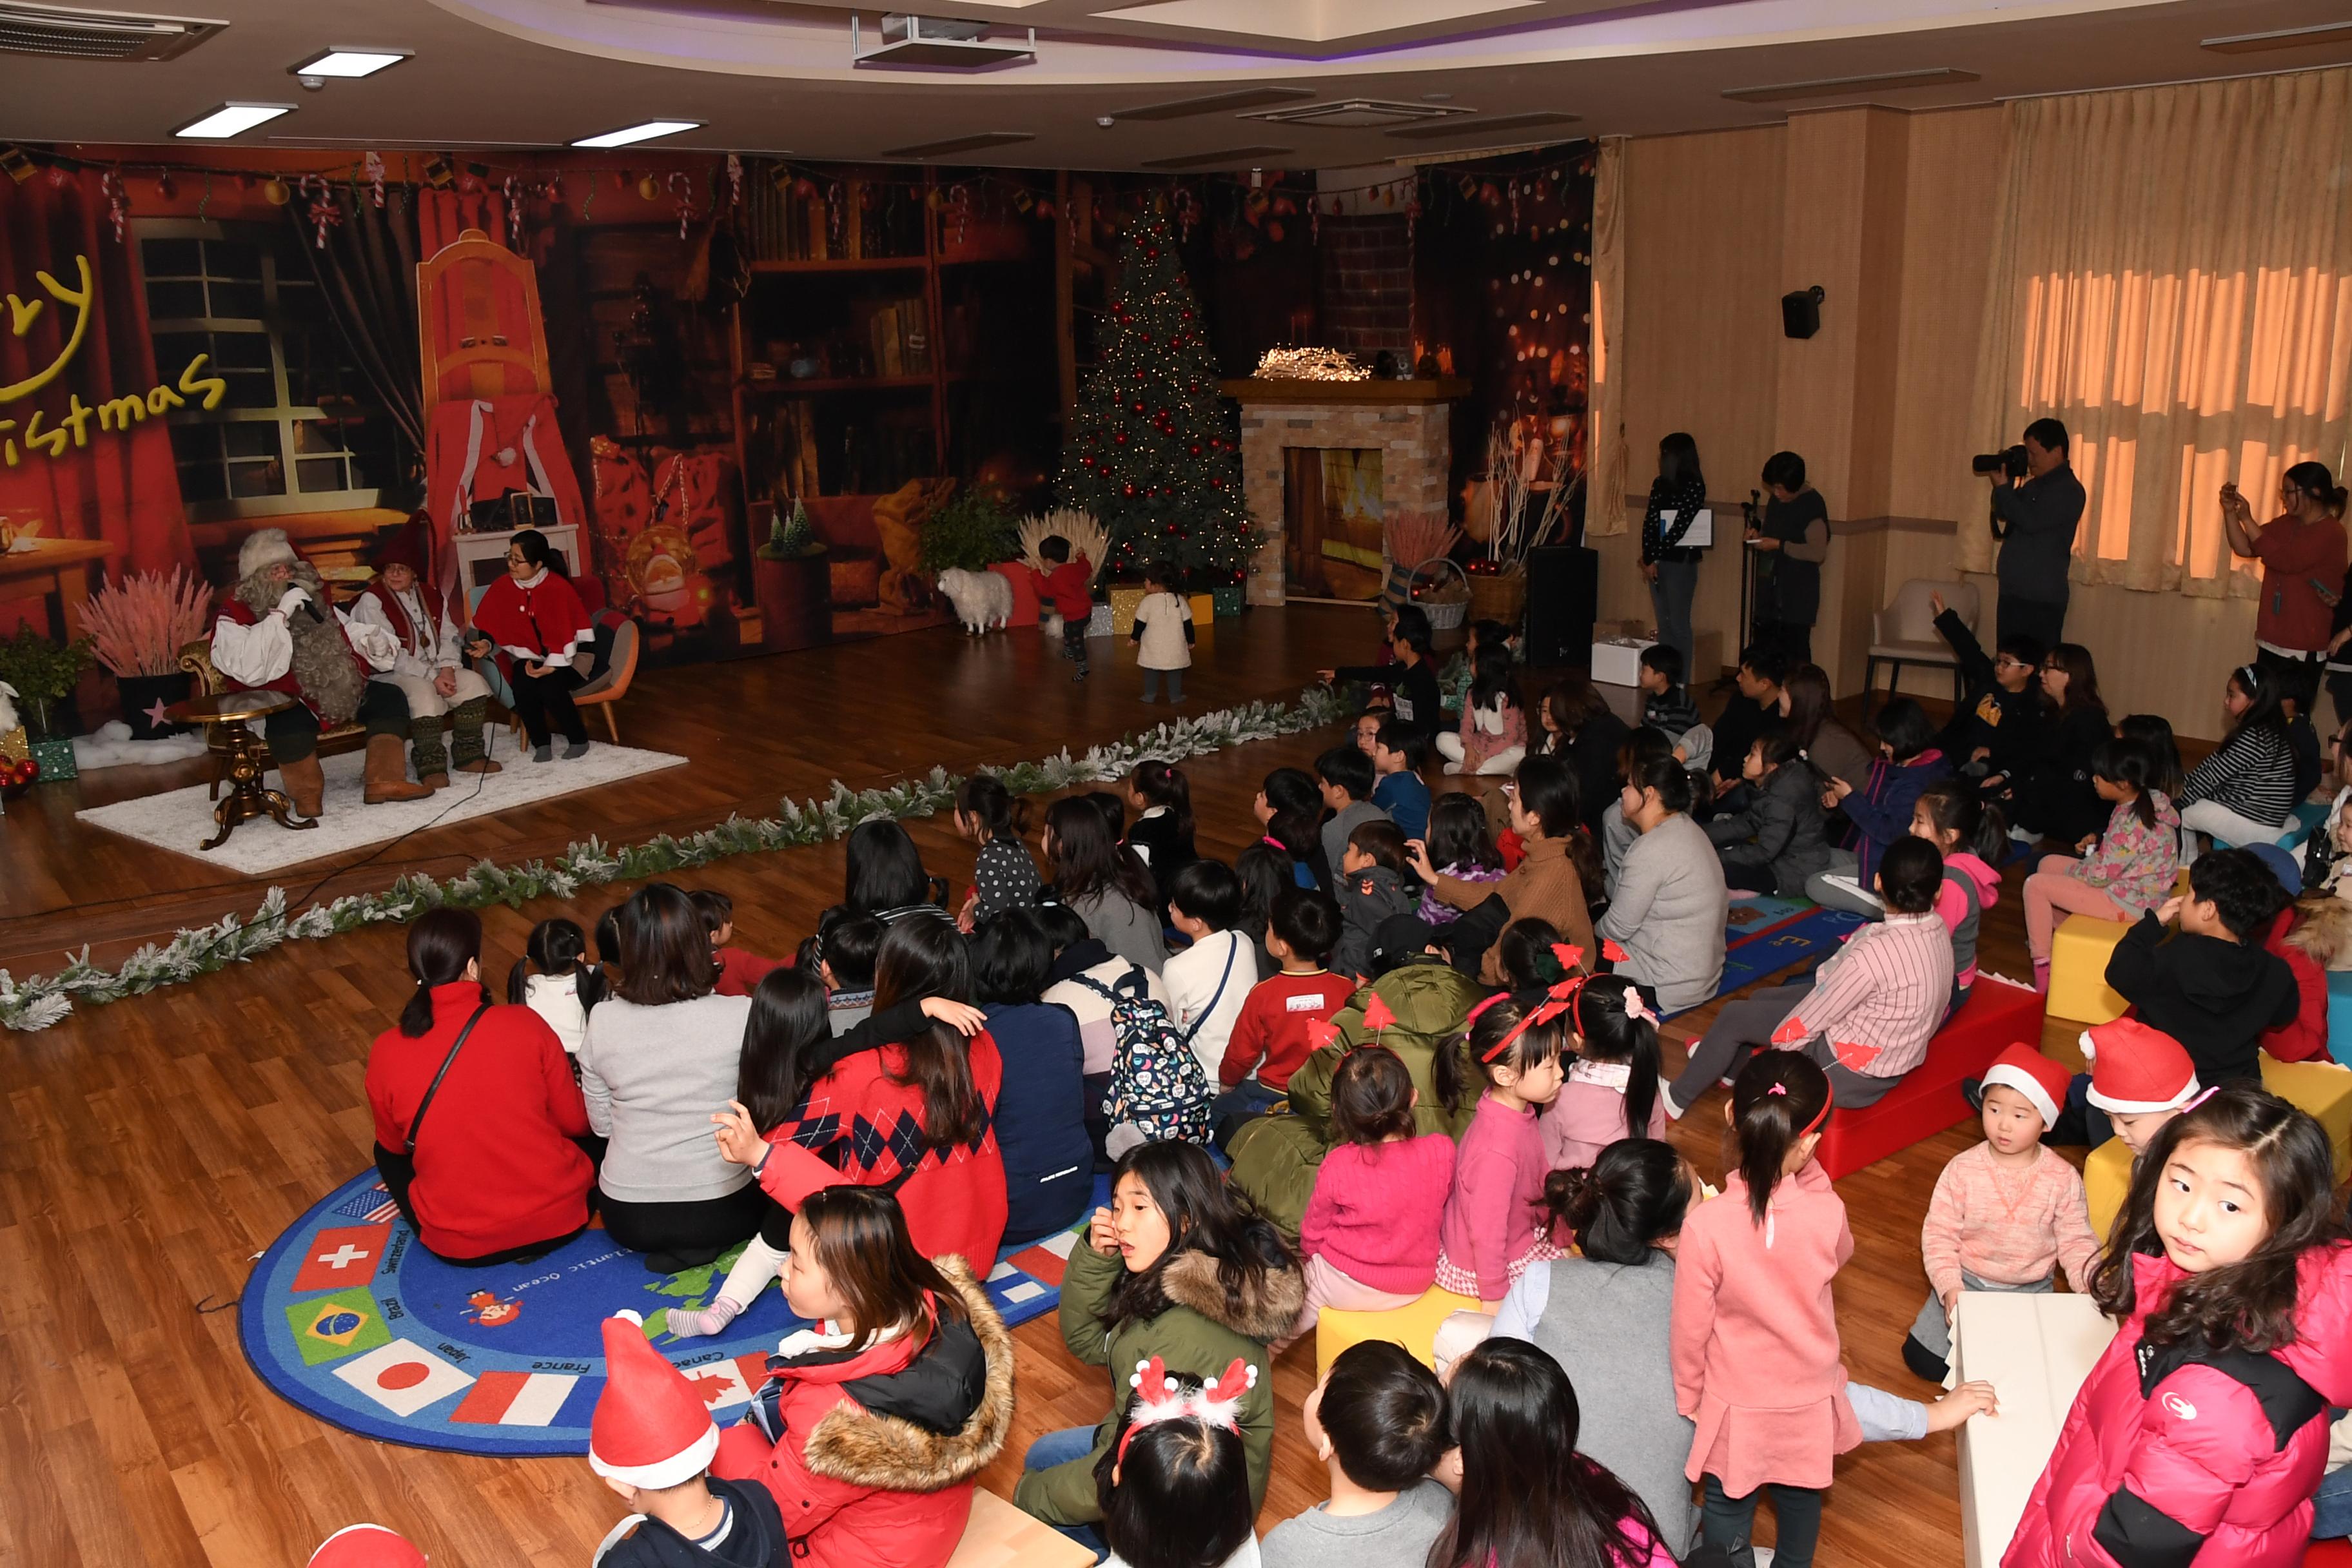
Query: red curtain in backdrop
x,y
443,216
119,485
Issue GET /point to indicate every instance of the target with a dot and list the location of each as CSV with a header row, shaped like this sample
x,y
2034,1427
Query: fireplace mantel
x,y
1333,394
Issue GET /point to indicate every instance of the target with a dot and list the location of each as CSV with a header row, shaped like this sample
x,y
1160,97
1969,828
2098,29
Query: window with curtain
x,y
2172,278
299,430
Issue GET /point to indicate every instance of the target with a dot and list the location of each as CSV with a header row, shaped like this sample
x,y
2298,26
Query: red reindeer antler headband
x,y
1159,1398
1560,998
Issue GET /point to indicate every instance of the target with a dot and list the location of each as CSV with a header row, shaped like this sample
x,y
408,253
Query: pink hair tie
x,y
1777,1089
2200,1099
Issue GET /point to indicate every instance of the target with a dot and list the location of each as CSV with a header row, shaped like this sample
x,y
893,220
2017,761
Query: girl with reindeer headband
x,y
1174,1489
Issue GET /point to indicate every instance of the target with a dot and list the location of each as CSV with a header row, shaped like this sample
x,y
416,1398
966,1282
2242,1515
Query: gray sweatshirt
x,y
1336,831
1667,910
1125,927
1398,1536
652,1076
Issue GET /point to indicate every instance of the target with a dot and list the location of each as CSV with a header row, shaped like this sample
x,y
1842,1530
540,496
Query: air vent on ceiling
x,y
971,144
1356,113
1843,85
63,34
1475,127
1235,157
2284,39
1215,103
937,43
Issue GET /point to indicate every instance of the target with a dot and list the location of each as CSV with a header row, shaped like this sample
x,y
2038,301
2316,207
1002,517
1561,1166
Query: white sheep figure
x,y
8,719
983,600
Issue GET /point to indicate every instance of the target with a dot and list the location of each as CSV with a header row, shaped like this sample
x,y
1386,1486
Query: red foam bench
x,y
1928,1100
2332,1553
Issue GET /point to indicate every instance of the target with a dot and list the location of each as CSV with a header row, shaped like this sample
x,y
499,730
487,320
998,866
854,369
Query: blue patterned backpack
x,y
1156,1081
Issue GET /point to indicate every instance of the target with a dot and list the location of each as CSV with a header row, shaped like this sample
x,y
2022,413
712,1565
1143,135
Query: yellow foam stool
x,y
2325,1089
999,1535
2106,1181
2078,970
1414,1327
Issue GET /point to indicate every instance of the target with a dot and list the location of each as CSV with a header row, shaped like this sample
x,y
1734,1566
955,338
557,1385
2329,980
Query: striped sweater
x,y
1880,1000
2252,774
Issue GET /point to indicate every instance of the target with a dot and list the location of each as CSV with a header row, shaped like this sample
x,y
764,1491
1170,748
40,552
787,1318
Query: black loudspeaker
x,y
1564,600
1801,312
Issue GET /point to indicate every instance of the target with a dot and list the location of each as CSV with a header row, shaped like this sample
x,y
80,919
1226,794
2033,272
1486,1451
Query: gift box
x,y
1204,610
2036,1350
1124,603
1100,624
1229,598
1617,661
57,760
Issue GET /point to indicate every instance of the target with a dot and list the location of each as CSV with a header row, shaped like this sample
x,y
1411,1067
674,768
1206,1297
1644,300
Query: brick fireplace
x,y
1404,421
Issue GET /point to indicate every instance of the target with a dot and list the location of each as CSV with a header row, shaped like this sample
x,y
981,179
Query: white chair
x,y
1905,633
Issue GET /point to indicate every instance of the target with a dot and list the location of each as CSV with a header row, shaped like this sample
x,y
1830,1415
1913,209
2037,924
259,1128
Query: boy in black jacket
x,y
2213,987
1412,680
2003,728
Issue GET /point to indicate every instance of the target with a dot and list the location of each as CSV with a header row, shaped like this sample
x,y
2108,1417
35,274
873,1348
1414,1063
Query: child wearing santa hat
x,y
2006,1212
366,1546
652,1440
2141,1077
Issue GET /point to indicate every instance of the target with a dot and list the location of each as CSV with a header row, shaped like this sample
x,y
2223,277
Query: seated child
x,y
1612,1091
1952,814
1272,1037
1369,1237
846,948
1493,735
1377,1420
652,1439
1411,680
1003,877
1866,1015
1161,835
1490,1231
1881,808
740,972
1162,633
1373,884
1461,847
1777,838
1668,707
2140,1080
1399,749
1176,1491
1069,588
554,979
2211,987
2124,871
2003,727
2005,1213
1345,775
1208,983
2306,1038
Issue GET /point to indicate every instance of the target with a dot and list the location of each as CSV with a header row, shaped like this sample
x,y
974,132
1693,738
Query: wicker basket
x,y
1502,597
1447,613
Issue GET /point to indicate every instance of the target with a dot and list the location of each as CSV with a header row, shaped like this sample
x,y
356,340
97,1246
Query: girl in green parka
x,y
1178,1268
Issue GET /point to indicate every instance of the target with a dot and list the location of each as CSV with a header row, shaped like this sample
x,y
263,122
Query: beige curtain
x,y
2172,276
1605,468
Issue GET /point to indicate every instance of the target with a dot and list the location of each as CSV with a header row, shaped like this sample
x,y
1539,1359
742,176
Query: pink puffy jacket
x,y
2170,1458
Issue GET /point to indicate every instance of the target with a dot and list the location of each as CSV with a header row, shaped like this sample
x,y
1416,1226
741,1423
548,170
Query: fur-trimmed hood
x,y
865,1446
1266,1310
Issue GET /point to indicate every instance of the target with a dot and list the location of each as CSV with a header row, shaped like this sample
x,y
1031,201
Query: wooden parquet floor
x,y
150,1149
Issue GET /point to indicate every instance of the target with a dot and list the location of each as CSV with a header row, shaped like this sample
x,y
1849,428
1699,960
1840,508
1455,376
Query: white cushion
x,y
2035,1349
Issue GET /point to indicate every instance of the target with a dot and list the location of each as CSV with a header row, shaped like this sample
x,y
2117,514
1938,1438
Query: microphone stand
x,y
1746,627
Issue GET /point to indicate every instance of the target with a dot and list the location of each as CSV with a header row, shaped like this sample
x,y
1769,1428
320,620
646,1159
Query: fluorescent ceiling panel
x,y
231,120
631,134
350,65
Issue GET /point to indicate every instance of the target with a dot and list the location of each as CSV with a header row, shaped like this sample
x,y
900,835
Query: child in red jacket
x,y
2201,1433
740,972
1069,588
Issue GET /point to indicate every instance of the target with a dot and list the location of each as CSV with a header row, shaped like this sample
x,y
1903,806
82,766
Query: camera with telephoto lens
x,y
2011,462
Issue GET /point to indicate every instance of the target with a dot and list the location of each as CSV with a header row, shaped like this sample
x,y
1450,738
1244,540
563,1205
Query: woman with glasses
x,y
534,621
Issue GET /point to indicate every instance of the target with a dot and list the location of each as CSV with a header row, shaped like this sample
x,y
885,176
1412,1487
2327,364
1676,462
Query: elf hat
x,y
366,1546
410,545
262,549
2136,1068
2029,1072
650,1429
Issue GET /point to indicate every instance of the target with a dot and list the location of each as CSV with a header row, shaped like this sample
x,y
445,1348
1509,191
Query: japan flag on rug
x,y
403,1376
515,1398
340,1255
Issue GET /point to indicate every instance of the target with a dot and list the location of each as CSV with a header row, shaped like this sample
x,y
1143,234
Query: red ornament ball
x,y
1196,448
1127,490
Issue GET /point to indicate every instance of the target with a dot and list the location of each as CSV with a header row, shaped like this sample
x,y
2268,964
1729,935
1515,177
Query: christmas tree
x,y
1151,451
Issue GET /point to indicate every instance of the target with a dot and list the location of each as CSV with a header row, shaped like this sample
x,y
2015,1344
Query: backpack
x,y
1156,1081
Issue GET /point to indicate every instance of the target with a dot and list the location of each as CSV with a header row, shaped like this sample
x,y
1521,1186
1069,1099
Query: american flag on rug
x,y
373,1207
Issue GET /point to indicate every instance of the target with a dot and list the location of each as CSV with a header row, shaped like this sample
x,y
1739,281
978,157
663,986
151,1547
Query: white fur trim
x,y
2090,1046
2139,1107
676,1469
636,1318
2003,1076
353,1530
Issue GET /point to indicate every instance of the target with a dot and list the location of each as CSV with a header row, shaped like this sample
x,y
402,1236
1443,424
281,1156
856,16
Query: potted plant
x,y
791,581
138,624
972,530
44,675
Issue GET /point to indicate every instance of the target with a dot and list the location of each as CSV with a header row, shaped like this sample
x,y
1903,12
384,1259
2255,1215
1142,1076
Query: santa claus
x,y
406,601
278,631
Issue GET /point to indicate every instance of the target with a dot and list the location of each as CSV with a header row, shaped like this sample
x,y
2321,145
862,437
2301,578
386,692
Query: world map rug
x,y
181,819
347,1317
1764,936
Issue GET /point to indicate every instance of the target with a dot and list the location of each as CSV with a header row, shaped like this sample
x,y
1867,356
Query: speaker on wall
x,y
1801,312
1564,600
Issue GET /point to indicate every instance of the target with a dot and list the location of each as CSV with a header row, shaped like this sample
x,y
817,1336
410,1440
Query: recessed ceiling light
x,y
231,120
349,64
636,133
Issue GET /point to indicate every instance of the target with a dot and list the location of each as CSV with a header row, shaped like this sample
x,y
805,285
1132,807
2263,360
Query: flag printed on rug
x,y
349,1319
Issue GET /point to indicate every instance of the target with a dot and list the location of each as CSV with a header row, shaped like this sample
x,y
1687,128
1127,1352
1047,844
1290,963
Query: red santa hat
x,y
2029,1072
650,1429
366,1546
2137,1068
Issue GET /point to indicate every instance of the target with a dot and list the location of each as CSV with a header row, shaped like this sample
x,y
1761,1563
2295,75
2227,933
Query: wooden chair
x,y
607,689
196,659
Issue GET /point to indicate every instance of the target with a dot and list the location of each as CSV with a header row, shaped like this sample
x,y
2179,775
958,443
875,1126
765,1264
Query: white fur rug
x,y
183,819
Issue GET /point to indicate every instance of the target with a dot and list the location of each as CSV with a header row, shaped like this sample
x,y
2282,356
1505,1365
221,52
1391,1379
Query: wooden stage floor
x,y
150,1149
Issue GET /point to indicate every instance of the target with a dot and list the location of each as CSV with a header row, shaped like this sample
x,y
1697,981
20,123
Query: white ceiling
x,y
766,76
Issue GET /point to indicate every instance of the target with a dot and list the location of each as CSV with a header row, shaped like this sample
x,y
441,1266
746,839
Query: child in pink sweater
x,y
1754,1330
2124,871
1369,1237
2006,1213
1492,1227
1612,1091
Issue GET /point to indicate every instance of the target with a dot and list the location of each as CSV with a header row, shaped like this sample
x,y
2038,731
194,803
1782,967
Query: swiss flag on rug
x,y
342,1254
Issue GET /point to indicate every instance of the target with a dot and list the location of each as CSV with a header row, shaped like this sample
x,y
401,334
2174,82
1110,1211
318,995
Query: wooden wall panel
x,y
1954,177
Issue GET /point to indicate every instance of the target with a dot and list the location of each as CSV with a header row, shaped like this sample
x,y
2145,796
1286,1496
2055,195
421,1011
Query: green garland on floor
x,y
43,1000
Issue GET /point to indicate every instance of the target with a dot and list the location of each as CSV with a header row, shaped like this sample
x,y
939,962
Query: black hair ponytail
x,y
1778,1097
1613,1034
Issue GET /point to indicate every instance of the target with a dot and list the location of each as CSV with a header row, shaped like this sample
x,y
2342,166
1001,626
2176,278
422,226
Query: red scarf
x,y
546,620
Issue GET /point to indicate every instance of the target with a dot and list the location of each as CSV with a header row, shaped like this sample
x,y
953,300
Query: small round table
x,y
248,758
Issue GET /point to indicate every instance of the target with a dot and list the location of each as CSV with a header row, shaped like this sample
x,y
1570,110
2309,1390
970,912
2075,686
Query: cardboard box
x,y
1618,660
2036,1350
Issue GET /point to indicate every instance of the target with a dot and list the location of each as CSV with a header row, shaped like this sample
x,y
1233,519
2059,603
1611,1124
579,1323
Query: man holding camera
x,y
2035,521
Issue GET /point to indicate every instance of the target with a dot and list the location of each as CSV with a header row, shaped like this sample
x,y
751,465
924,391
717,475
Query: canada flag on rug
x,y
404,1378
720,1383
342,1254
515,1398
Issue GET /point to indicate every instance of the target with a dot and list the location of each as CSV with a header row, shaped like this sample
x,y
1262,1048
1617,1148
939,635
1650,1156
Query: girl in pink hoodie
x,y
1495,1222
1952,816
1754,1331
2124,871
1612,1091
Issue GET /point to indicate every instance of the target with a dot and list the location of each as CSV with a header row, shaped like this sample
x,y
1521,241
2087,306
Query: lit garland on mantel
x,y
1309,364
